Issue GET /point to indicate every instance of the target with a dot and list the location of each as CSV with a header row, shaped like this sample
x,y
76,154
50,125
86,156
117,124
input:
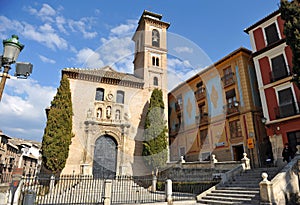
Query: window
x,y
271,34
155,81
155,61
287,105
118,115
99,112
99,94
279,68
228,76
231,97
120,96
155,38
235,129
232,104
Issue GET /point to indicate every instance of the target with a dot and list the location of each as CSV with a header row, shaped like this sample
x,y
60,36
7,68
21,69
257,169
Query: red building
x,y
280,98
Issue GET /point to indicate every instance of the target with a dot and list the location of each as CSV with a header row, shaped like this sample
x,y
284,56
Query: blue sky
x,y
94,33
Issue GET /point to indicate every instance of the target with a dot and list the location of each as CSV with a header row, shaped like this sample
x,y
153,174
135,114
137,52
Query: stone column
x,y
265,190
107,192
154,182
168,188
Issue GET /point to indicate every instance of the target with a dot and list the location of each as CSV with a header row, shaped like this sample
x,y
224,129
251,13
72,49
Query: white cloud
x,y
183,49
47,60
117,50
123,29
23,108
89,58
46,35
83,25
179,71
46,13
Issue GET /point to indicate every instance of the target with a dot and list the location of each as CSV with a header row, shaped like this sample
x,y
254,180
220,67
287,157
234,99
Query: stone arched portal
x,y
105,157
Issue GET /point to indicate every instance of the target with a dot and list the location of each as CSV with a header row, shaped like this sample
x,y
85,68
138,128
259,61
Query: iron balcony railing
x,y
232,108
203,118
274,76
228,79
200,93
287,110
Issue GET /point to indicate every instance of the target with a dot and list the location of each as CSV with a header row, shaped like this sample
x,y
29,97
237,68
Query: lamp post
x,y
11,50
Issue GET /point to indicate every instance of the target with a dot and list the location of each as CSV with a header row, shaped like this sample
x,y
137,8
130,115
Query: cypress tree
x,y
58,132
290,13
155,144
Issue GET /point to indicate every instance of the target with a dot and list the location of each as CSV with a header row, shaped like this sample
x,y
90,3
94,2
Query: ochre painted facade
x,y
226,114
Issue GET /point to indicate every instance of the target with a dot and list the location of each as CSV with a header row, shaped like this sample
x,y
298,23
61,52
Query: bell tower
x,y
150,59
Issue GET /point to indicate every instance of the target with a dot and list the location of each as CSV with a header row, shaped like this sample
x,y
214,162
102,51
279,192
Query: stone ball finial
x,y
264,175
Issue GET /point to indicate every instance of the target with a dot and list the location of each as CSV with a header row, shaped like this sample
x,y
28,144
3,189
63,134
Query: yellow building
x,y
218,112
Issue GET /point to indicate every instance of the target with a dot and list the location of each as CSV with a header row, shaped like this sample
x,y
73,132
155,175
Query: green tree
x,y
290,13
155,144
58,132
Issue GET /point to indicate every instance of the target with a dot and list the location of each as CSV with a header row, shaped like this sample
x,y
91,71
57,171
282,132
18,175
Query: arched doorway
x,y
105,157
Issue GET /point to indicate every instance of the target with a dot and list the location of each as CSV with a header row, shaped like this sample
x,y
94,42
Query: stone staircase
x,y
244,189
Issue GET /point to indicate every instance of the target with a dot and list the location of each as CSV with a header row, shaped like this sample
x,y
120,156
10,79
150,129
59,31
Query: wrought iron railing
x,y
287,109
82,189
228,79
232,108
200,93
274,76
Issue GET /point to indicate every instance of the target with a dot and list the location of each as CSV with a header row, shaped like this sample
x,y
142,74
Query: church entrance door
x,y
105,157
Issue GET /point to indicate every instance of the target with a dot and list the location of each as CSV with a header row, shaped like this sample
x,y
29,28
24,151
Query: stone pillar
x,y
52,182
213,160
4,193
107,191
246,162
168,188
182,159
265,190
154,182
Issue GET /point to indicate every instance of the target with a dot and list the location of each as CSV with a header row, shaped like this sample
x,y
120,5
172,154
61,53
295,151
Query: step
x,y
239,195
210,201
234,199
241,190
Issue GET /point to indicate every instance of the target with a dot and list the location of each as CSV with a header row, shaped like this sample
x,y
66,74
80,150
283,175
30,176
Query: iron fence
x,y
70,189
82,189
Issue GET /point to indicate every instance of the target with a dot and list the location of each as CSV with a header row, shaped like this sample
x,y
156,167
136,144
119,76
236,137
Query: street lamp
x,y
11,50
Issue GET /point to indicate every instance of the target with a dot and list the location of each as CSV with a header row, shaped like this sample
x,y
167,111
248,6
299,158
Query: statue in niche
x,y
108,112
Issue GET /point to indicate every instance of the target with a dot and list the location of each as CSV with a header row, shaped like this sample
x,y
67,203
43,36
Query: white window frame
x,y
268,23
285,86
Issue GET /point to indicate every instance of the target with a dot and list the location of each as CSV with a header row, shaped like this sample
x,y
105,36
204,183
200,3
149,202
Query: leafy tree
x,y
290,13
155,150
58,132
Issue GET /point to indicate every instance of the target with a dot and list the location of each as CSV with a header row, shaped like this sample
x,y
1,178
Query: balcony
x,y
178,106
228,79
232,108
287,110
203,118
200,93
274,76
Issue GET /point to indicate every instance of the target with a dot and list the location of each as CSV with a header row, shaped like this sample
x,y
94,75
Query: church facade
x,y
109,107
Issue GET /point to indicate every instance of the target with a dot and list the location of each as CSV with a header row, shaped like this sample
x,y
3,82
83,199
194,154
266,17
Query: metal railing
x,y
288,109
82,189
5,177
228,79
